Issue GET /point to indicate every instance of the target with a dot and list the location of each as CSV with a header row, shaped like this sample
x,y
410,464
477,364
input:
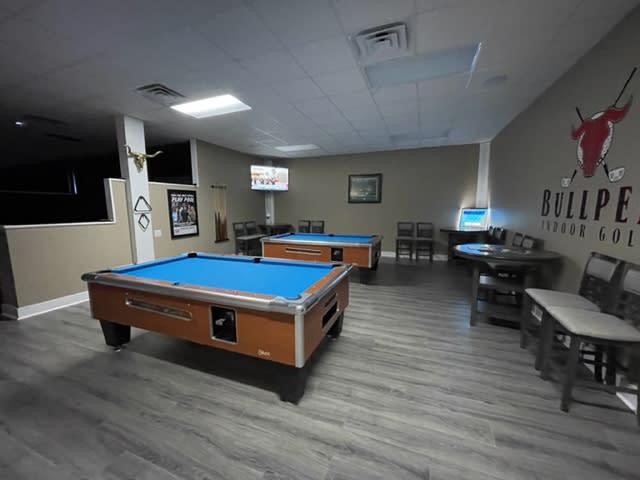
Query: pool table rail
x,y
234,298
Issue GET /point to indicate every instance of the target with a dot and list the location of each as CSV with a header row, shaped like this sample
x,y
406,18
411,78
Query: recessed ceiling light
x,y
20,123
210,107
297,148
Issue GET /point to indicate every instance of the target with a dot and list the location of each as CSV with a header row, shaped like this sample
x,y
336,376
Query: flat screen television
x,y
473,219
265,177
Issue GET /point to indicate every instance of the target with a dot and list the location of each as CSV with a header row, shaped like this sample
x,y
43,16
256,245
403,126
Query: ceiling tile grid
x,y
295,62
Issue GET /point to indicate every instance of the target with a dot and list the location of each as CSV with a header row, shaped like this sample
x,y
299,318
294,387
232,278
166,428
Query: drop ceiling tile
x,y
324,56
450,28
527,15
399,109
298,22
316,106
297,90
240,33
425,5
357,15
354,101
505,47
185,48
395,94
350,80
271,66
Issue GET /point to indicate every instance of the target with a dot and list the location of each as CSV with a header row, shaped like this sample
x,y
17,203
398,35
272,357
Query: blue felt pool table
x,y
277,310
358,250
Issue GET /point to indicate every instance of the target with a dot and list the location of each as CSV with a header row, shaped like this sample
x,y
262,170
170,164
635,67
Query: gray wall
x,y
428,184
536,150
216,165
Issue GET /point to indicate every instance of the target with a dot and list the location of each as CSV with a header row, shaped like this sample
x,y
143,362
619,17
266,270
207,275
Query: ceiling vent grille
x,y
382,43
161,94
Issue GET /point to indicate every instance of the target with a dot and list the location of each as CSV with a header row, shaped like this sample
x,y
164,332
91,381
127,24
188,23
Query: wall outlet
x,y
157,233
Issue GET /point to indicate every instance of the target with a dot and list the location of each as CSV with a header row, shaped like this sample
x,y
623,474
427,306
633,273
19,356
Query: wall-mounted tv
x,y
265,177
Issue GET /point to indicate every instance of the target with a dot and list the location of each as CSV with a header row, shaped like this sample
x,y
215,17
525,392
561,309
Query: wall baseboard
x,y
49,305
437,257
8,312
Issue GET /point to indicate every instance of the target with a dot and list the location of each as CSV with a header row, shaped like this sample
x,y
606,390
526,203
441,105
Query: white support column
x,y
193,150
130,131
269,208
482,190
269,203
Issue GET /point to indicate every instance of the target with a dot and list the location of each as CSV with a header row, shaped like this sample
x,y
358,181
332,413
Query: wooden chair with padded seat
x,y
304,226
317,226
615,329
240,231
405,233
424,240
595,291
517,239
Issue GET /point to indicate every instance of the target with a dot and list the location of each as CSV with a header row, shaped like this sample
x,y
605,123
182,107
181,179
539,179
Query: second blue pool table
x,y
358,250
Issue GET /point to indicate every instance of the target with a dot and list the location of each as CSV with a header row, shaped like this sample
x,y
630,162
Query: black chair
x,y
405,237
517,239
240,232
251,228
304,226
529,242
317,226
498,237
424,240
254,247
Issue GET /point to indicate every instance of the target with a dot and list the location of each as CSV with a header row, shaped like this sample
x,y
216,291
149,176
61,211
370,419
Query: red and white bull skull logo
x,y
594,137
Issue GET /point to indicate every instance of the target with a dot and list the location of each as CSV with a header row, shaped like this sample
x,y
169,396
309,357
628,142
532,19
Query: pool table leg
x,y
336,328
292,383
115,334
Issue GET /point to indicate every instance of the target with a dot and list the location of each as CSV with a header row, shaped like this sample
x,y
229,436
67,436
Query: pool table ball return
x,y
358,250
273,309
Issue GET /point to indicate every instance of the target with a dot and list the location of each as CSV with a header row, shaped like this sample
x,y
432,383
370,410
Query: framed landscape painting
x,y
365,188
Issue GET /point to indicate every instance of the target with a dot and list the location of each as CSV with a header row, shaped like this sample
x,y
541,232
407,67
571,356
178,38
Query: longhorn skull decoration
x,y
140,157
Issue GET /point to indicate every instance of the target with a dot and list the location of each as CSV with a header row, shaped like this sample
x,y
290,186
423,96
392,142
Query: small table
x,y
275,229
358,250
516,259
458,236
273,309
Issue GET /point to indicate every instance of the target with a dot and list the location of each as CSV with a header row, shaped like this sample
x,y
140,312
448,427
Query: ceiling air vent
x,y
161,94
382,43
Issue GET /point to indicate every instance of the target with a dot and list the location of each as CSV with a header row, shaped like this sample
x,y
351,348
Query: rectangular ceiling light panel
x,y
297,148
211,107
422,67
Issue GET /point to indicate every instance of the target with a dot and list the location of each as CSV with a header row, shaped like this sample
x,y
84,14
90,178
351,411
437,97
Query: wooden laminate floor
x,y
409,391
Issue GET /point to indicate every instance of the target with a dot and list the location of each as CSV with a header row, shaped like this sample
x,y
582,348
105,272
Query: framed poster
x,y
183,213
365,188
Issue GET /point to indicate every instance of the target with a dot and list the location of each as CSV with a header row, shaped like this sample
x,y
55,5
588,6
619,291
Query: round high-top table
x,y
457,236
522,261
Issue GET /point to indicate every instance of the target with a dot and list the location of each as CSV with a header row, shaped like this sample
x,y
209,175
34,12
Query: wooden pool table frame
x,y
285,331
358,254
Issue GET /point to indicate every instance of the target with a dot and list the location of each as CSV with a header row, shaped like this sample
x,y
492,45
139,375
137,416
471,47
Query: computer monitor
x,y
473,219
